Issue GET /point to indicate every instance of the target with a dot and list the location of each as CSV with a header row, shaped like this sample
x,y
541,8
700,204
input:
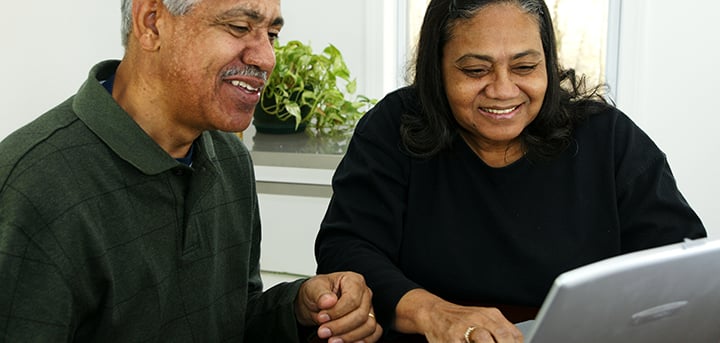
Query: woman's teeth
x,y
498,111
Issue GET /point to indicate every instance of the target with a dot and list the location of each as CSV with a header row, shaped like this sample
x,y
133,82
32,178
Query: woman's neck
x,y
496,155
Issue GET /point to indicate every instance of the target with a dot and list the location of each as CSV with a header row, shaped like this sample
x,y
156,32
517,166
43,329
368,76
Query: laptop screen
x,y
664,294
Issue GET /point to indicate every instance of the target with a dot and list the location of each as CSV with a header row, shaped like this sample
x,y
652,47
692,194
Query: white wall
x,y
48,48
667,79
669,84
363,30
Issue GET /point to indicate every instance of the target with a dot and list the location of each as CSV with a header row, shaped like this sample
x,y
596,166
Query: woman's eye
x,y
475,72
525,69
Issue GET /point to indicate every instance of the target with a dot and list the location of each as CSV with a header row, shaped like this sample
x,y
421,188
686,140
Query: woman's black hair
x,y
433,128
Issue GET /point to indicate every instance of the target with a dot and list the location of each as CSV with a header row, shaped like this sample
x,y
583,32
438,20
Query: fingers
x,y
341,304
377,333
368,331
327,301
353,295
486,335
455,323
316,296
496,330
468,333
352,317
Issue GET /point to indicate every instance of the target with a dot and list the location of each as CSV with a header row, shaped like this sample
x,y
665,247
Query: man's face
x,y
214,61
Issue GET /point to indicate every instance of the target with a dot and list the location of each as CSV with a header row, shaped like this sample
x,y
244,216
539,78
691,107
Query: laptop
x,y
665,294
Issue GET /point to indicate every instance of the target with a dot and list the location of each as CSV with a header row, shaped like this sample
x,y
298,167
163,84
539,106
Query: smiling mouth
x,y
499,111
246,86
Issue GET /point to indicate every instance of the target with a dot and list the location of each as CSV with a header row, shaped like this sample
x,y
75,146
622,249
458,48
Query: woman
x,y
463,196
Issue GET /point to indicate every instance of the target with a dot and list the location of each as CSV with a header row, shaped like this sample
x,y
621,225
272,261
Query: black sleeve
x,y
651,209
362,229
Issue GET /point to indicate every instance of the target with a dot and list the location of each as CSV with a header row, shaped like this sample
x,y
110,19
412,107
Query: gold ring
x,y
371,315
468,332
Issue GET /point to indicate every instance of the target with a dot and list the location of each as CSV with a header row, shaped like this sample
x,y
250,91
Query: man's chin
x,y
238,127
235,122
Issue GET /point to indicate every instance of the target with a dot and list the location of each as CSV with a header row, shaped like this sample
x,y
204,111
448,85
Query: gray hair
x,y
468,9
175,7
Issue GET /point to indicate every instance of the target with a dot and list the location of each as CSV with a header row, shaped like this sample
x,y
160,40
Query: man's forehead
x,y
255,10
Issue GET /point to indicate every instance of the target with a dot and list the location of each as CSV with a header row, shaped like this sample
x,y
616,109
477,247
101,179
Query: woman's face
x,y
495,76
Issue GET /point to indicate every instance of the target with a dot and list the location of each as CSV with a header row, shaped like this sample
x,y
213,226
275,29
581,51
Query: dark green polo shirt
x,y
105,237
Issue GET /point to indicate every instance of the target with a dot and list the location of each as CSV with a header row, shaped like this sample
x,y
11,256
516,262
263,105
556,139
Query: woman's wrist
x,y
414,311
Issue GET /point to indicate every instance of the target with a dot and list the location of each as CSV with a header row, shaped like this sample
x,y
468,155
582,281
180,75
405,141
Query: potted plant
x,y
308,89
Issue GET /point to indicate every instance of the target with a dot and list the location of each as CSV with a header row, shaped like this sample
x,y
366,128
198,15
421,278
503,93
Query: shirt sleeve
x,y
270,315
652,210
35,301
362,229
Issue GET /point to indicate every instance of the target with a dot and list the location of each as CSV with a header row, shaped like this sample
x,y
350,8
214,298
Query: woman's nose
x,y
502,86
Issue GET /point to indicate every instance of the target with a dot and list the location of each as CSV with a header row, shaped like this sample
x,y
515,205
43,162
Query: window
x,y
581,29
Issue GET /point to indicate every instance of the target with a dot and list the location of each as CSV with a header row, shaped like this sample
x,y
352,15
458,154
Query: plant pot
x,y
266,123
271,123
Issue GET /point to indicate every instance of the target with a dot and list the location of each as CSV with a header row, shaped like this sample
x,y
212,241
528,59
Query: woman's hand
x,y
440,321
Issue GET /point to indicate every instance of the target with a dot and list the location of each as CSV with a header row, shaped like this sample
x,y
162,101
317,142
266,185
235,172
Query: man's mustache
x,y
251,71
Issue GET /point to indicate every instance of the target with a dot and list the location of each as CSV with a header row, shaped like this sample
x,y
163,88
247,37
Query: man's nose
x,y
259,51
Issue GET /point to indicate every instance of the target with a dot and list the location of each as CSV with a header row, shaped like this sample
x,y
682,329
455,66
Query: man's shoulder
x,y
31,144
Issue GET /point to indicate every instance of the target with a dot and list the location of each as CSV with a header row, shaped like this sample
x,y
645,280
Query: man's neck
x,y
139,98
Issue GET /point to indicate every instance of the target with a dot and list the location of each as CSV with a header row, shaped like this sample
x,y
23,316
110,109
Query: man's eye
x,y
273,36
237,29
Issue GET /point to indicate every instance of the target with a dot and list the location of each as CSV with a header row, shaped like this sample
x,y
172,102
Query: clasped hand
x,y
341,304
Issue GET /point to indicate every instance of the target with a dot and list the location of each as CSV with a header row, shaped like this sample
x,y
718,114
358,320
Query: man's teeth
x,y
497,111
238,83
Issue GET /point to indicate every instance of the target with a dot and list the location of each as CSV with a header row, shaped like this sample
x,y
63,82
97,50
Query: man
x,y
127,215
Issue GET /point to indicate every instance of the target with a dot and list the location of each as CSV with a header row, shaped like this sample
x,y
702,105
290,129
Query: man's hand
x,y
341,304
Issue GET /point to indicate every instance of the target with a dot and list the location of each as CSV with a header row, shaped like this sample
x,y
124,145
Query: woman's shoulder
x,y
387,113
599,116
404,97
610,127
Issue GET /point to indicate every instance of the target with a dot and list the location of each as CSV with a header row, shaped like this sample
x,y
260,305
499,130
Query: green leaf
x,y
304,87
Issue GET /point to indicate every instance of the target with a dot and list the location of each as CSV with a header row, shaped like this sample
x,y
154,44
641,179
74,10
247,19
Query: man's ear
x,y
145,17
